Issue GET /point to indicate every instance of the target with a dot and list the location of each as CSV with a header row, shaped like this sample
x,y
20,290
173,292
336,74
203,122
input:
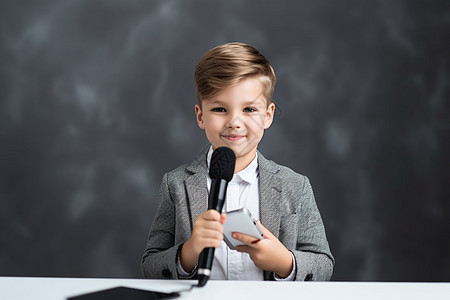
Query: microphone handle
x,y
205,261
217,194
216,200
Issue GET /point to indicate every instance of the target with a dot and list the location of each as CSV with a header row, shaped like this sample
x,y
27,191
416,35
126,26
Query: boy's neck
x,y
242,162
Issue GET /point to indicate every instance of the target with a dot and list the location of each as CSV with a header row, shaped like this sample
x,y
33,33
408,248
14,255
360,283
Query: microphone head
x,y
222,164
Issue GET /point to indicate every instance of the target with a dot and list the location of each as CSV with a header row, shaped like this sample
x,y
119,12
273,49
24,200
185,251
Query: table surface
x,y
48,288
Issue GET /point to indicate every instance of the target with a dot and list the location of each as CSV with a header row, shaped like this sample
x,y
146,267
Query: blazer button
x,y
309,277
166,273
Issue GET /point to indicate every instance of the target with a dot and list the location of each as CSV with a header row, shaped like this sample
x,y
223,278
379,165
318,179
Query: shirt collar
x,y
249,174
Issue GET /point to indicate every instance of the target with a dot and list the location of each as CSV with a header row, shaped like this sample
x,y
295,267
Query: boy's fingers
x,y
210,226
246,239
267,234
223,218
244,248
212,215
211,232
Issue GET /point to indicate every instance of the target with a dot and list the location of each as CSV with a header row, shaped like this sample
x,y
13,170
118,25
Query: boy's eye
x,y
249,109
218,109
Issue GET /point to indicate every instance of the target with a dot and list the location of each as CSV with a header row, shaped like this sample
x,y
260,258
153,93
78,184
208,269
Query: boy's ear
x,y
269,115
198,112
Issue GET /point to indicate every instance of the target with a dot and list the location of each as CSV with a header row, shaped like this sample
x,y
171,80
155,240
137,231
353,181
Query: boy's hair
x,y
226,65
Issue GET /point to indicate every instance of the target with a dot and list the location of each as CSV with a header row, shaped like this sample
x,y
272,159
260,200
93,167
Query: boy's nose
x,y
234,122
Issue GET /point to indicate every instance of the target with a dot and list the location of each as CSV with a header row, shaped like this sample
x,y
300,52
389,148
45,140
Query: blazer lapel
x,y
269,195
269,199
196,188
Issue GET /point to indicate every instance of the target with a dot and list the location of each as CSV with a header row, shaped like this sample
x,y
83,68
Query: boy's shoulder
x,y
283,178
281,171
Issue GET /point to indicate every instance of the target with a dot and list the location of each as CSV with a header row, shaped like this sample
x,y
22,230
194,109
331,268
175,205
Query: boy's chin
x,y
241,151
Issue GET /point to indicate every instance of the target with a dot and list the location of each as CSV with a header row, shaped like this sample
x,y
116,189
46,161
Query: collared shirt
x,y
242,191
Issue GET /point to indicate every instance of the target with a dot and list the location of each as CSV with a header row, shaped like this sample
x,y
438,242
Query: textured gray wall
x,y
96,103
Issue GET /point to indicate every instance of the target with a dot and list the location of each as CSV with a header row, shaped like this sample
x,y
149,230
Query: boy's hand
x,y
268,254
206,233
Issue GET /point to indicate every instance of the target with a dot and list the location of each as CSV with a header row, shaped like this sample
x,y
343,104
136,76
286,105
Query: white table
x,y
28,288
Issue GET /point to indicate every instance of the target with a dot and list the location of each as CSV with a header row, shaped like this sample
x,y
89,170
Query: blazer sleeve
x,y
161,253
312,254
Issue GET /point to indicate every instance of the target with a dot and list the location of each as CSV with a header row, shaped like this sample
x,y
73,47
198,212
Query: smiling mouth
x,y
233,137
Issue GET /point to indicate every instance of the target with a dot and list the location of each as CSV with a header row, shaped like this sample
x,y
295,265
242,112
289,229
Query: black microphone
x,y
221,171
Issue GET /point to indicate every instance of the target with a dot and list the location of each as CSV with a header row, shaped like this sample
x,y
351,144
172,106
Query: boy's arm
x,y
312,252
160,256
163,256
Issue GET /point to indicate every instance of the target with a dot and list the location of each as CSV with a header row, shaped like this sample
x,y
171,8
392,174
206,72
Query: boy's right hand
x,y
207,233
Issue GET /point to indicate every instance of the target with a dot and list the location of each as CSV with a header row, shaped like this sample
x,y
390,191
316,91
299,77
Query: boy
x,y
235,84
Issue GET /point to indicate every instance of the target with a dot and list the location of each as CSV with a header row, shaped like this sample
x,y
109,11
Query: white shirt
x,y
242,191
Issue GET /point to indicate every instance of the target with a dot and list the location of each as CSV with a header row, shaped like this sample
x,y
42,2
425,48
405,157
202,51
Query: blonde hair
x,y
228,64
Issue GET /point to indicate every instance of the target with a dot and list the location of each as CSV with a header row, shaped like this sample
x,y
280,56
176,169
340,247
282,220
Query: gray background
x,y
97,103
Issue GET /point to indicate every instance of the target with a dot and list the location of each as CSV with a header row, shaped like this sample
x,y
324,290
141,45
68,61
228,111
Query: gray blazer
x,y
287,209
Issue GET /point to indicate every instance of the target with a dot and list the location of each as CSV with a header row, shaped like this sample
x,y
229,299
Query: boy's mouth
x,y
233,137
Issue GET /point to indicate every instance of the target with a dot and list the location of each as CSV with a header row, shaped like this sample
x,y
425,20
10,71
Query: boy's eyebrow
x,y
215,101
253,102
244,102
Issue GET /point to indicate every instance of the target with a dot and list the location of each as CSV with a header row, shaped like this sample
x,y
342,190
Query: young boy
x,y
235,84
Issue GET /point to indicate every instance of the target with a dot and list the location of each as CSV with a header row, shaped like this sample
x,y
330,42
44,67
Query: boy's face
x,y
236,118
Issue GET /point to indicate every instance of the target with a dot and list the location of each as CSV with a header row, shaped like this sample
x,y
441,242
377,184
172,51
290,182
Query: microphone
x,y
221,171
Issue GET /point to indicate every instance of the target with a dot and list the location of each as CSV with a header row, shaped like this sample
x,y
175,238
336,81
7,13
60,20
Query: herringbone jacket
x,y
287,209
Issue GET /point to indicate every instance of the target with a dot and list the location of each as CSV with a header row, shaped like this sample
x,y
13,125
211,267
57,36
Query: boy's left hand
x,y
268,254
